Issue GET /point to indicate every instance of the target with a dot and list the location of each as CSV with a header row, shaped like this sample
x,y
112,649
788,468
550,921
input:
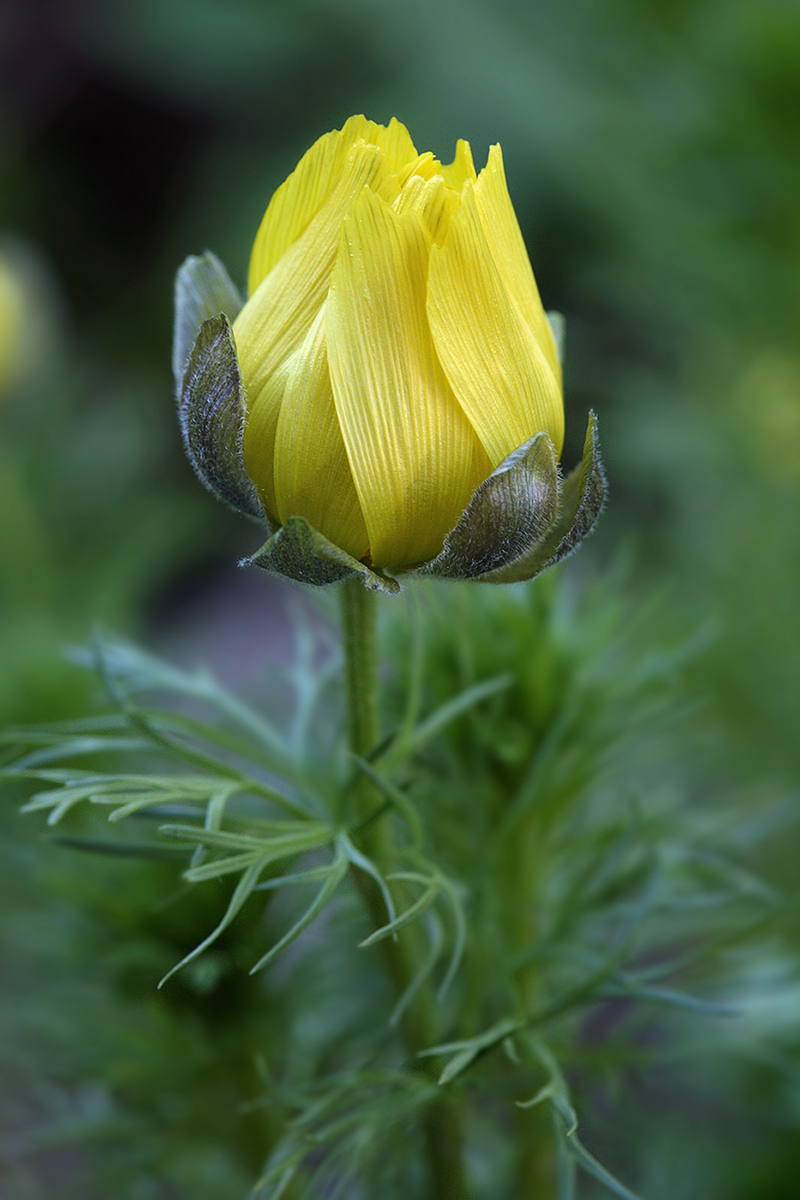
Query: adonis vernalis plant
x,y
467,860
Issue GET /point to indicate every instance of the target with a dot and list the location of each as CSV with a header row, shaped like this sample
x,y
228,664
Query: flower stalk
x,y
359,622
441,1121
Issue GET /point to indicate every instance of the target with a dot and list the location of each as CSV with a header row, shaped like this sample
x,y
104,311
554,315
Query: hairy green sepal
x,y
211,408
302,553
523,518
203,289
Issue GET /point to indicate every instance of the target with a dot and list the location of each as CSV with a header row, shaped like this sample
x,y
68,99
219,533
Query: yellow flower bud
x,y
393,349
388,399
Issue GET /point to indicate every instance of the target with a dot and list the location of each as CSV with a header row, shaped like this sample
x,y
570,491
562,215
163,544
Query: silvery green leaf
x,y
300,552
583,494
508,515
572,1152
336,873
211,408
465,1052
203,289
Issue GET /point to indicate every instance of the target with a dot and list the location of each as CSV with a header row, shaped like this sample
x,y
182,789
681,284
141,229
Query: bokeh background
x,y
653,158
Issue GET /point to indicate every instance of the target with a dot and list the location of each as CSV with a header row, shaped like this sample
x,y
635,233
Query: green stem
x,y
535,1164
403,956
359,623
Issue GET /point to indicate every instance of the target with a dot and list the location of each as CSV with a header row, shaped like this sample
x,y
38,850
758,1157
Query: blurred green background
x,y
653,158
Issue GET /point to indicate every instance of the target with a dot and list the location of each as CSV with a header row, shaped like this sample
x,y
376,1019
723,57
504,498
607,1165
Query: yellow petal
x,y
278,316
414,456
300,197
509,253
491,357
432,200
312,474
462,168
426,166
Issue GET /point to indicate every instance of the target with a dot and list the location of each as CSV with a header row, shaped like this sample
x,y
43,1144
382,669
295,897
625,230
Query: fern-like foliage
x,y
547,861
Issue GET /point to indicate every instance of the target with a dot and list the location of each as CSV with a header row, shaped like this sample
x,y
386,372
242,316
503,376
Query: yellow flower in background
x,y
13,302
389,398
393,349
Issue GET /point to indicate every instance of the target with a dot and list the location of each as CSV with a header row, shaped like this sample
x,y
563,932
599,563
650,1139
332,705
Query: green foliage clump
x,y
517,895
